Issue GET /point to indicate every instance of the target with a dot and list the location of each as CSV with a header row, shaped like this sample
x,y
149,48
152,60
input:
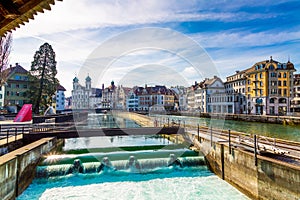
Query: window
x,y
17,94
279,75
279,83
284,75
17,86
260,75
284,92
273,74
9,85
279,92
282,100
272,100
24,86
284,83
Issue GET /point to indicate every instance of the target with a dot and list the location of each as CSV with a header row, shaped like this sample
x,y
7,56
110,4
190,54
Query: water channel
x,y
102,168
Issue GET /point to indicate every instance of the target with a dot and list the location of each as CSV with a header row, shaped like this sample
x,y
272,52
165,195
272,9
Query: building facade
x,y
269,87
295,103
85,97
157,98
59,99
14,93
235,88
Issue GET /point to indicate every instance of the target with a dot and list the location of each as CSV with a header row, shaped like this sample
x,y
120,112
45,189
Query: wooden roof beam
x,y
8,10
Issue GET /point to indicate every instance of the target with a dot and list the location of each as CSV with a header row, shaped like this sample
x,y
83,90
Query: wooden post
x,y
222,161
211,137
198,131
255,150
229,141
16,133
7,134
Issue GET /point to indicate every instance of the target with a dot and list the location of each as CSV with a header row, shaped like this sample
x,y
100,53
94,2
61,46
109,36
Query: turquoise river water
x,y
110,174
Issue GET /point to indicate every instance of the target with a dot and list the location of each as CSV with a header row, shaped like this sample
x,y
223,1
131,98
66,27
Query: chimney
x,y
17,64
271,59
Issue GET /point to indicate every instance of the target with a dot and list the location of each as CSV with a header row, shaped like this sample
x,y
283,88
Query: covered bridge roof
x,y
14,13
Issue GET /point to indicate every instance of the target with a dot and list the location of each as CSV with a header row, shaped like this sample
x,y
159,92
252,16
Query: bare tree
x,y
5,48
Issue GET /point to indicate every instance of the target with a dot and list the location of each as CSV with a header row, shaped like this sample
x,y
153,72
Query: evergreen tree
x,y
43,72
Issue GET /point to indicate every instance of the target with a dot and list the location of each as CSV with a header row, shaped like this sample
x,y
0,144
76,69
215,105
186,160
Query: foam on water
x,y
165,183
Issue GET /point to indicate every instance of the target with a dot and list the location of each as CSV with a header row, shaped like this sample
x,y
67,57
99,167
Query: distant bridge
x,y
62,134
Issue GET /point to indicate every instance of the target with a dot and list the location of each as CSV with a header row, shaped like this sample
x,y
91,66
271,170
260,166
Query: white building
x,y
181,102
295,103
235,86
85,97
132,101
209,96
60,99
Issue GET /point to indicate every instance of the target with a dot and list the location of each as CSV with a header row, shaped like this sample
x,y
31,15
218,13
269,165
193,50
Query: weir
x,y
117,155
148,165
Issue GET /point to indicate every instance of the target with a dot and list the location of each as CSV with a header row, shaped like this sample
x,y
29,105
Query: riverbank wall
x,y
17,168
286,120
261,178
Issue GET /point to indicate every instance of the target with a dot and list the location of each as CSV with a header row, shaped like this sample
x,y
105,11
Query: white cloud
x,y
70,16
236,38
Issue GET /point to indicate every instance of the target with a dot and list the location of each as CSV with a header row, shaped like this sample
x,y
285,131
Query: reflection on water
x,y
109,121
113,141
266,129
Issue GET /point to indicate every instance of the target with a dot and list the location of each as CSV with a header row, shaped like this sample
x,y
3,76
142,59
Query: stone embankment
x,y
264,178
17,168
286,120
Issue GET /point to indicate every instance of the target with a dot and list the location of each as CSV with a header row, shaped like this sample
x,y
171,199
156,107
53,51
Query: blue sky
x,y
235,35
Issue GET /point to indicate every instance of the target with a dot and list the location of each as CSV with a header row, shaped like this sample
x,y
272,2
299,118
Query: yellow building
x,y
269,87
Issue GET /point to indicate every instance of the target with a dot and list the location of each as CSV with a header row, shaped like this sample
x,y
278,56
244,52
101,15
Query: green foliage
x,y
43,72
